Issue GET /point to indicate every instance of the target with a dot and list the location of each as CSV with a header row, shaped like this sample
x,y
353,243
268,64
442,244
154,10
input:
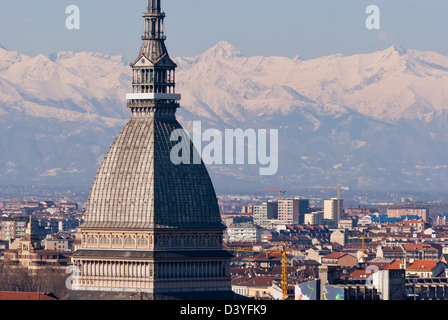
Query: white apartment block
x,y
244,232
331,209
314,218
265,212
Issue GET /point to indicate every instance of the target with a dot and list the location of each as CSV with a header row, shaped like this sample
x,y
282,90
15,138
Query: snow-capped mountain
x,y
387,85
370,121
58,115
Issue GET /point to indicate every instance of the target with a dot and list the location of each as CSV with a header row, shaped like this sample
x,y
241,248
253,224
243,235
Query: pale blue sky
x,y
309,28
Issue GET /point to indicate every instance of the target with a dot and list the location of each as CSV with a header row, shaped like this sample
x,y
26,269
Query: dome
x,y
137,185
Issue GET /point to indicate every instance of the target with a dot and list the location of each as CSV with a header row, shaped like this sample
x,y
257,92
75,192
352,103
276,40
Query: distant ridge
x,y
370,121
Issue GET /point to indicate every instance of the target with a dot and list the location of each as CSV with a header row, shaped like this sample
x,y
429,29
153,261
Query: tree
x,y
20,279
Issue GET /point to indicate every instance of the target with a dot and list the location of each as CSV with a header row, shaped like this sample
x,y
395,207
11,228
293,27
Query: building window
x,y
176,241
92,240
188,242
200,241
104,240
142,241
163,241
117,241
130,241
212,241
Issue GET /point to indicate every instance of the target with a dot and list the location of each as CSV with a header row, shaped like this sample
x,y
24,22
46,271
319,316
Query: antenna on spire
x,y
154,21
154,6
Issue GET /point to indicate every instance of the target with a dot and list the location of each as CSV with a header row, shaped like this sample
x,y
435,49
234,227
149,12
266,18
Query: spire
x,y
153,70
154,21
154,6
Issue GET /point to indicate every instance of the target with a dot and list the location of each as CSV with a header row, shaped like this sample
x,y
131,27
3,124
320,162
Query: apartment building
x,y
414,252
262,214
292,211
399,211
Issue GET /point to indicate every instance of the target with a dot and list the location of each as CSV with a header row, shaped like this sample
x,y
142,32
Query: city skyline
x,y
154,225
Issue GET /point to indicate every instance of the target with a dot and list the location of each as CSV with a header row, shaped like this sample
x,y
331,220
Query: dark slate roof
x,y
138,186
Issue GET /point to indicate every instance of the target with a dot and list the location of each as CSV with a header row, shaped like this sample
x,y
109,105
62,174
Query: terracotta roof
x,y
395,265
413,221
360,274
7,295
418,247
392,249
380,265
260,281
239,280
423,265
335,255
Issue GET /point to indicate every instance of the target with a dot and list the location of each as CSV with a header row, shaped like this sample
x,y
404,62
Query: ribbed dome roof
x,y
137,185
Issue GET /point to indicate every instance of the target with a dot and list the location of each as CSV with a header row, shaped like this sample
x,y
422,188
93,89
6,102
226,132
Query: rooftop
x,y
423,265
335,255
409,247
8,295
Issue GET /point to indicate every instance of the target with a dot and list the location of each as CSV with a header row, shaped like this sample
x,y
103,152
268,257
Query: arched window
x,y
188,241
176,241
212,241
200,241
104,240
129,241
117,241
92,240
142,241
163,241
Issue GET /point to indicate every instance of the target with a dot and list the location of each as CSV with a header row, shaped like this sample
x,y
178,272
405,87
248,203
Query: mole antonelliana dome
x,y
152,228
137,186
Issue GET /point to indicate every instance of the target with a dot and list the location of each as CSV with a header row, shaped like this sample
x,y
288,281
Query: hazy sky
x,y
309,28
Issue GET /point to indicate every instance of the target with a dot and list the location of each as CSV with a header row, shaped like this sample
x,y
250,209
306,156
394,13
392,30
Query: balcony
x,y
153,96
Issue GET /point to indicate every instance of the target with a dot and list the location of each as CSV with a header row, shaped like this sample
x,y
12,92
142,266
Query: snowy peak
x,y
222,50
9,58
410,58
64,86
396,48
389,84
66,55
84,69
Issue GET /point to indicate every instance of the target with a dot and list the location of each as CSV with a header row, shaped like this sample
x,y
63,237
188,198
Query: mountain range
x,y
374,121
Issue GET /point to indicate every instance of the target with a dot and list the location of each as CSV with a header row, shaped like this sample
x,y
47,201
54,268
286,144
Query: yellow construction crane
x,y
338,188
363,248
363,244
280,192
284,252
